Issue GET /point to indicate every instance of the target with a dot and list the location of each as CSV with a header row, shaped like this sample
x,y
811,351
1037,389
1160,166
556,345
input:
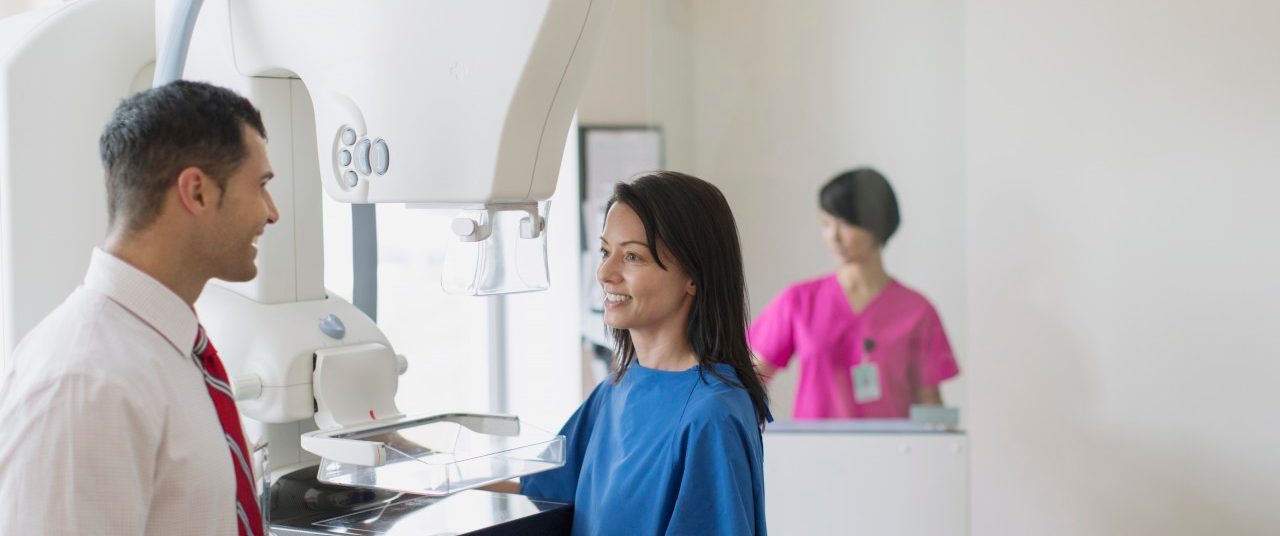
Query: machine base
x,y
302,506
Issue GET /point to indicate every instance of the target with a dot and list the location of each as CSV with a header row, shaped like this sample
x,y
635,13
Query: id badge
x,y
866,383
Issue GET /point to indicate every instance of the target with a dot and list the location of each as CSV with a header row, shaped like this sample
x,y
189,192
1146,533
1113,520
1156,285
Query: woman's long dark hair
x,y
691,218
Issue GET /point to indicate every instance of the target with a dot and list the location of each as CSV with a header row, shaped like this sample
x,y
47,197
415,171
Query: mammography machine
x,y
438,104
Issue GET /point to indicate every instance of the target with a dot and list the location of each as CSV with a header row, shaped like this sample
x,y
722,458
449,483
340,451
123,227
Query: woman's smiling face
x,y
639,294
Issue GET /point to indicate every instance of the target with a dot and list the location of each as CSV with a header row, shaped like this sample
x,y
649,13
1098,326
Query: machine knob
x,y
464,227
332,326
380,157
402,364
362,158
247,387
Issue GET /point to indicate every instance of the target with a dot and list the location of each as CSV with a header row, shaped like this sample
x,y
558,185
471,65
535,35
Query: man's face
x,y
241,214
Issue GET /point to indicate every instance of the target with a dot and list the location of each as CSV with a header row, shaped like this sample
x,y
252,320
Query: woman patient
x,y
670,443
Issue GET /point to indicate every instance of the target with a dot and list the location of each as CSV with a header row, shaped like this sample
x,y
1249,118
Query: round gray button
x,y
362,158
332,326
348,136
381,157
344,158
352,179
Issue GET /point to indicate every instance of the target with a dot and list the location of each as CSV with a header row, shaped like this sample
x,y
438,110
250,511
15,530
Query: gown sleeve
x,y
561,484
721,490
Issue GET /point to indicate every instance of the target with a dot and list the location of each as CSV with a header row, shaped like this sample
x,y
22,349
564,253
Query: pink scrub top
x,y
814,321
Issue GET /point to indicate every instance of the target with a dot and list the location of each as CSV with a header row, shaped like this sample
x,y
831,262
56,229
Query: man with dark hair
x,y
117,414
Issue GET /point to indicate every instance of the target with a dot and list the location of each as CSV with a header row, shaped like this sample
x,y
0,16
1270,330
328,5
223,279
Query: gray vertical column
x,y
171,56
364,258
498,354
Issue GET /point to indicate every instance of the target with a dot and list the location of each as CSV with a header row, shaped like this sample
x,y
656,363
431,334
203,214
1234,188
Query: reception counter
x,y
866,477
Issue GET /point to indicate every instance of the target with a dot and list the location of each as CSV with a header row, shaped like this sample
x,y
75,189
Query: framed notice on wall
x,y
607,155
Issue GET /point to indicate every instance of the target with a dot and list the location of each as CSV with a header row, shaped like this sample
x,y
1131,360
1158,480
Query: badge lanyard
x,y
866,375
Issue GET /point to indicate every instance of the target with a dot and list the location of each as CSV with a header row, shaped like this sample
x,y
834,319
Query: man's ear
x,y
197,192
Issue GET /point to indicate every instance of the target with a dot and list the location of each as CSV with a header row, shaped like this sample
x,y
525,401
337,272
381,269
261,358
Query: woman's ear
x,y
691,289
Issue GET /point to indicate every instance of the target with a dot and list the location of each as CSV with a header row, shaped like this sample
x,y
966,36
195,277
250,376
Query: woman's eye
x,y
603,253
632,257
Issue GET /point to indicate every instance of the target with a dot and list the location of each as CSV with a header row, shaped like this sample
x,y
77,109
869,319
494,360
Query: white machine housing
x,y
473,106
469,110
53,207
438,104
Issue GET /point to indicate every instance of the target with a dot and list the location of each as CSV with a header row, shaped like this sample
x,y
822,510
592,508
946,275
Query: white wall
x,y
787,94
768,100
643,74
544,364
1102,253
1123,263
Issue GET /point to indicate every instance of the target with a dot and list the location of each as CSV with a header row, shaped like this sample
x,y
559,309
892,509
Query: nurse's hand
x,y
927,396
766,371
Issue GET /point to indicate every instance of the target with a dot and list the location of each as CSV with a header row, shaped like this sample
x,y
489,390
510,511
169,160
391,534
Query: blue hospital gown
x,y
661,452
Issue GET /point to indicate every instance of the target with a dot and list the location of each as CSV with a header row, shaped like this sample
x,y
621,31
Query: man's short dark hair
x,y
862,197
155,134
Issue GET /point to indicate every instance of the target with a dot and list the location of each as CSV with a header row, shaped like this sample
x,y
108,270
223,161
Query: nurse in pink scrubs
x,y
867,345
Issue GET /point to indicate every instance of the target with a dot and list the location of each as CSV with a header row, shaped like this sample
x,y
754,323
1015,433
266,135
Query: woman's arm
x,y
721,486
561,483
772,336
506,486
928,396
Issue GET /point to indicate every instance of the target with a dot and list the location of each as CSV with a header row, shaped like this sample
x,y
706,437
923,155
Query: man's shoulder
x,y
79,315
87,332
71,359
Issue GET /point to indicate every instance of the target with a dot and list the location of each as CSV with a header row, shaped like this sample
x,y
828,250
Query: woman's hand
x,y
928,396
506,486
766,371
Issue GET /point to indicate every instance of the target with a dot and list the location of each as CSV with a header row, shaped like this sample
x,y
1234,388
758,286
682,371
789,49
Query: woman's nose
x,y
607,271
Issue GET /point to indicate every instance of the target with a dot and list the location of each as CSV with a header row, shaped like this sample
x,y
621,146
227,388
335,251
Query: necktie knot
x,y
202,342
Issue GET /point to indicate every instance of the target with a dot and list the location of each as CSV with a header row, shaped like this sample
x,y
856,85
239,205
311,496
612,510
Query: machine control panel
x,y
361,157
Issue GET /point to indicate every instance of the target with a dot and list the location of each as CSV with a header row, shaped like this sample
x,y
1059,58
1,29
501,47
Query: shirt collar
x,y
145,297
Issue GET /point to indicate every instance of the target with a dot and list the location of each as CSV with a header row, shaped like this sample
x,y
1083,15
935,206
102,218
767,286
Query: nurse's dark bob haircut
x,y
862,197
692,220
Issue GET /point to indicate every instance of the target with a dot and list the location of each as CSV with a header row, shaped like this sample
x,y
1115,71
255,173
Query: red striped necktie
x,y
215,378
